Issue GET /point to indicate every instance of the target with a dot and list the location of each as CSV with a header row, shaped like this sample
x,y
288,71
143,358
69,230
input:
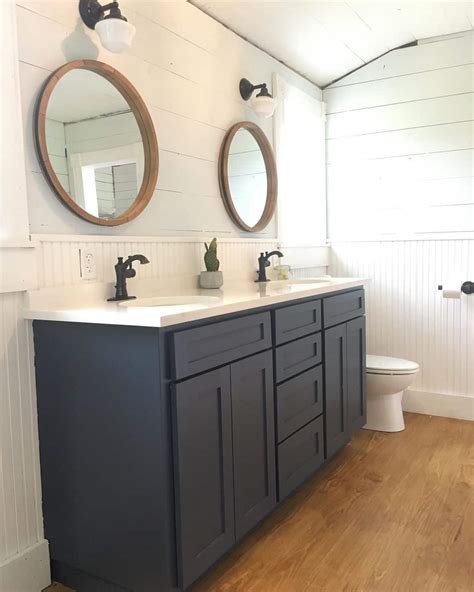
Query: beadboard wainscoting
x,y
59,257
407,316
24,559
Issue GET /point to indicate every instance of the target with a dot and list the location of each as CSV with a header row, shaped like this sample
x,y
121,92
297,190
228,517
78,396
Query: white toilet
x,y
387,378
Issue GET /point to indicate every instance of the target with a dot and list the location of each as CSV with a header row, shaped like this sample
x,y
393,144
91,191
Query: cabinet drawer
x,y
297,356
300,456
343,307
296,321
299,400
202,348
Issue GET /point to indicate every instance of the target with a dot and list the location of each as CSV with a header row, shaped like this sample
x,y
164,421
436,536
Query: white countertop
x,y
88,304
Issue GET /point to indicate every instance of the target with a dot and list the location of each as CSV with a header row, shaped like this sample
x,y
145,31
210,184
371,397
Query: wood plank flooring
x,y
391,513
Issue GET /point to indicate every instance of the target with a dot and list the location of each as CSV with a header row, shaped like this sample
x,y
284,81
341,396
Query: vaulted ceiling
x,y
326,40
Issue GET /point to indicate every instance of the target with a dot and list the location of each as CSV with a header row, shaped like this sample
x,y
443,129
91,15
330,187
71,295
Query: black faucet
x,y
263,263
124,270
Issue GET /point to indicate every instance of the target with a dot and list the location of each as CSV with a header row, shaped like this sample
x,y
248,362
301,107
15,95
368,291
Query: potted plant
x,y
212,278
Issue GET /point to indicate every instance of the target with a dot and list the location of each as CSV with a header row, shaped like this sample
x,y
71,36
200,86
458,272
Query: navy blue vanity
x,y
162,447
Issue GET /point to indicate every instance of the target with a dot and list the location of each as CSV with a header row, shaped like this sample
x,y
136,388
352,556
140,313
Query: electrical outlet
x,y
87,264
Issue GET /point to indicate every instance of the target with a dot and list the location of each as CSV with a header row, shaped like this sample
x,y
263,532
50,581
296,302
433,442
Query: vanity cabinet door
x,y
345,382
337,433
356,381
253,440
202,447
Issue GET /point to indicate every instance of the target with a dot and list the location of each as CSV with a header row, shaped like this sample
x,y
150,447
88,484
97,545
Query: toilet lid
x,y
387,365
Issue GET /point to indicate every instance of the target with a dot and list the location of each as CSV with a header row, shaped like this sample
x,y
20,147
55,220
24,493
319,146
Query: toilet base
x,y
384,413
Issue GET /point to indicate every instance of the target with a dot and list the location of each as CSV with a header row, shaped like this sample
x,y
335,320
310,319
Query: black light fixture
x,y
115,32
263,103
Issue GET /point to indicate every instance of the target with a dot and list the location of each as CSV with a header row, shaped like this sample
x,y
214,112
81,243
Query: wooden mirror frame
x,y
145,125
270,166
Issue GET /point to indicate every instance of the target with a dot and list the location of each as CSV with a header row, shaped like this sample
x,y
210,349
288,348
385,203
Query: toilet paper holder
x,y
466,288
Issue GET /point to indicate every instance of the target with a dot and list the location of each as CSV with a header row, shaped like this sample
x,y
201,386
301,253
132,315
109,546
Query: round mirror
x,y
96,142
247,176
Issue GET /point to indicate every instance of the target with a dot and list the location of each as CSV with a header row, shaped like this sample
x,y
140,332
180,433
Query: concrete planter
x,y
211,279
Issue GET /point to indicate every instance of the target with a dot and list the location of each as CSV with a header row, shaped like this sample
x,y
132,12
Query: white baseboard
x,y
27,571
443,405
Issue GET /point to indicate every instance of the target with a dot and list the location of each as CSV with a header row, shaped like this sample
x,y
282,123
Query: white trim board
x,y
28,571
18,270
439,404
94,238
447,236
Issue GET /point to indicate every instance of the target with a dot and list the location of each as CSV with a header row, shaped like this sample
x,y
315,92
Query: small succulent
x,y
210,258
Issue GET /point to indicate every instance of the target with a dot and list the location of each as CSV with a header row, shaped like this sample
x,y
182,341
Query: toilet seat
x,y
390,366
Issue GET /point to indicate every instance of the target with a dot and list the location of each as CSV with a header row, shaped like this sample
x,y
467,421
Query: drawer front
x,y
202,348
297,321
343,307
297,356
299,400
300,456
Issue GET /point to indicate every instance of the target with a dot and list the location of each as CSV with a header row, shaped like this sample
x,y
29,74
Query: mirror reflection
x,y
94,143
247,177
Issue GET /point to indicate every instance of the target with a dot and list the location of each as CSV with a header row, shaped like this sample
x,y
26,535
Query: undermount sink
x,y
180,301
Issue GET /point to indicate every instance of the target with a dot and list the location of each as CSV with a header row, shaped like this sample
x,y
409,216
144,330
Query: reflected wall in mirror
x,y
247,176
96,142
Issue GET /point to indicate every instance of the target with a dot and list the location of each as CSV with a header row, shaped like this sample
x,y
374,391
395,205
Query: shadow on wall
x,y
78,45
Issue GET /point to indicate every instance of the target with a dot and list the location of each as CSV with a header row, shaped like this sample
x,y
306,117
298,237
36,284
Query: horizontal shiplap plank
x,y
413,87
438,138
444,53
370,193
446,218
458,163
397,222
432,111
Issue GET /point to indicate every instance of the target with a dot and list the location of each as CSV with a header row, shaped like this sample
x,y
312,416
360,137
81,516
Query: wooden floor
x,y
391,513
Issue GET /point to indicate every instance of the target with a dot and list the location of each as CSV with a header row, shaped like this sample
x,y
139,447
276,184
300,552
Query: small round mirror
x,y
96,142
247,176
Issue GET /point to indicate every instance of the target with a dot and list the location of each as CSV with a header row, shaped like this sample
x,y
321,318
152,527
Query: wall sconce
x,y
263,103
114,31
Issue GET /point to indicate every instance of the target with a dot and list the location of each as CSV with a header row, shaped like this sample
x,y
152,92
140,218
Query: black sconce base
x,y
91,12
246,89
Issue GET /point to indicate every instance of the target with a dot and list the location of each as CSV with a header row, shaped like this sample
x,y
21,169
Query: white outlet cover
x,y
87,264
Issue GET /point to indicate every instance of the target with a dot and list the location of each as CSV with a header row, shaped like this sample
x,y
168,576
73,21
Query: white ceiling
x,y
326,40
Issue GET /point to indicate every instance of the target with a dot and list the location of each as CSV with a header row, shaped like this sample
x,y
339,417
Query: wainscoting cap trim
x,y
84,238
18,244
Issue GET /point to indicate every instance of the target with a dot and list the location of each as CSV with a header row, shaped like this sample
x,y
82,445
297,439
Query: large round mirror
x,y
96,142
247,176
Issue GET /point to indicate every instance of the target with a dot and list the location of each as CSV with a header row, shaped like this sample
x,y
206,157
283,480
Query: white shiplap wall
x,y
187,68
400,144
400,165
